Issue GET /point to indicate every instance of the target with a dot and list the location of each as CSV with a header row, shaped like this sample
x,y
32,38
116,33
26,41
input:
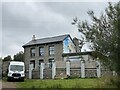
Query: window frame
x,y
50,62
31,52
32,62
51,50
41,51
41,61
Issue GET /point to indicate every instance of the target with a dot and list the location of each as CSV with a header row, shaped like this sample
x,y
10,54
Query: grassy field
x,y
67,83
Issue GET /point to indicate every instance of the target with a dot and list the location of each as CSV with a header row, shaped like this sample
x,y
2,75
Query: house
x,y
60,49
47,50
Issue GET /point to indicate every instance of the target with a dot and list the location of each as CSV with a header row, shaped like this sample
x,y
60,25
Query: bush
x,y
115,81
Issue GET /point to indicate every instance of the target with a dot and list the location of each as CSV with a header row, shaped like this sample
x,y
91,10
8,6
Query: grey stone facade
x,y
57,56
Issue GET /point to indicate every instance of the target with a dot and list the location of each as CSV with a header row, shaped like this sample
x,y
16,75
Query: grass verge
x,y
67,83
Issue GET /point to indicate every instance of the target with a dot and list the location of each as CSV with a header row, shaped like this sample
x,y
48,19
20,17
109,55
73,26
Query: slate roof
x,y
47,40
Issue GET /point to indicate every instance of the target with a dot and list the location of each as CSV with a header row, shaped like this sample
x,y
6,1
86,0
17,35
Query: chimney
x,y
76,41
33,38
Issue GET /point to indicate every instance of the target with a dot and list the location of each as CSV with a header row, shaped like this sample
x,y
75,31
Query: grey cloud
x,y
22,20
78,9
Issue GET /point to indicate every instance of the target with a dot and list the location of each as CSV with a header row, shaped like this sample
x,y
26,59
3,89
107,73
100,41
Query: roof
x,y
77,53
16,63
46,40
92,53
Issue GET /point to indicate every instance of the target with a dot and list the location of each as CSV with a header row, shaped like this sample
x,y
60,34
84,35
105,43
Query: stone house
x,y
47,50
60,49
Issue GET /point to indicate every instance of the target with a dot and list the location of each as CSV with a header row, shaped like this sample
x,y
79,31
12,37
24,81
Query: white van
x,y
16,71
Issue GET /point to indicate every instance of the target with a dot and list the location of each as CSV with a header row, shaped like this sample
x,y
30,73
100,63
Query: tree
x,y
104,34
7,58
19,56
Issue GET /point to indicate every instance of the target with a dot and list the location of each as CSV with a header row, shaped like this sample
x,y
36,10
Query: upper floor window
x,y
32,51
51,50
41,51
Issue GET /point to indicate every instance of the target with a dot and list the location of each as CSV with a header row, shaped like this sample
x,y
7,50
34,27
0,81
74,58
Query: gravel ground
x,y
5,84
8,85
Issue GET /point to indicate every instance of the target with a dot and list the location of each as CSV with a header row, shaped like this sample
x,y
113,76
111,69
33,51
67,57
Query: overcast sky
x,y
21,20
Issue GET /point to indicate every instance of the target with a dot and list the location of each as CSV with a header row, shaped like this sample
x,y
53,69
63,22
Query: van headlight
x,y
23,74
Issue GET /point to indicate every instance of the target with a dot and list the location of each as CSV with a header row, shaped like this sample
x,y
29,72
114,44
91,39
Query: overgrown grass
x,y
67,83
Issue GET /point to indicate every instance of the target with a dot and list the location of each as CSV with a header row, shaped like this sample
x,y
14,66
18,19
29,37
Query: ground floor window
x,y
50,63
33,62
41,61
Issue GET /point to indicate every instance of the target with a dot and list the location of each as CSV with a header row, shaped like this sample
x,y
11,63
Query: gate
x,y
47,72
44,71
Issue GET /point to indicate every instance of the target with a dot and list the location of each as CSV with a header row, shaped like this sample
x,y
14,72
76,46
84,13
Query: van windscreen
x,y
16,68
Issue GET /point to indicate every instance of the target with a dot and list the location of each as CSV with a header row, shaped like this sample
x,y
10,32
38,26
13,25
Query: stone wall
x,y
61,64
60,72
36,74
89,73
47,73
75,64
75,72
106,72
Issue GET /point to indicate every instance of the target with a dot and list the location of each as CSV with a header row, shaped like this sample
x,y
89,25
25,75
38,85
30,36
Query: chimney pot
x,y
33,38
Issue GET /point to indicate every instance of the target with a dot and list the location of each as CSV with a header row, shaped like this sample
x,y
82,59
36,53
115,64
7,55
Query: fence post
x,y
114,73
98,69
82,69
53,69
68,67
30,70
41,70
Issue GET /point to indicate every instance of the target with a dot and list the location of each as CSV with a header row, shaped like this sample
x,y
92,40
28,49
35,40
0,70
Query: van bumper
x,y
15,78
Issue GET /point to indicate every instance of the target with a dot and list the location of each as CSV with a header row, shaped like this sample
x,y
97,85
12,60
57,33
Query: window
x,y
33,62
51,50
50,63
41,51
32,51
41,61
16,68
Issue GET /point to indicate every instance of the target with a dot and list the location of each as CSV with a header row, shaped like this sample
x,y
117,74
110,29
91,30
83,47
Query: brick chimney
x,y
76,41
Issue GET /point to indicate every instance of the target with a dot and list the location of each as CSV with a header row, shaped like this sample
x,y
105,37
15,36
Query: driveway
x,y
8,84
